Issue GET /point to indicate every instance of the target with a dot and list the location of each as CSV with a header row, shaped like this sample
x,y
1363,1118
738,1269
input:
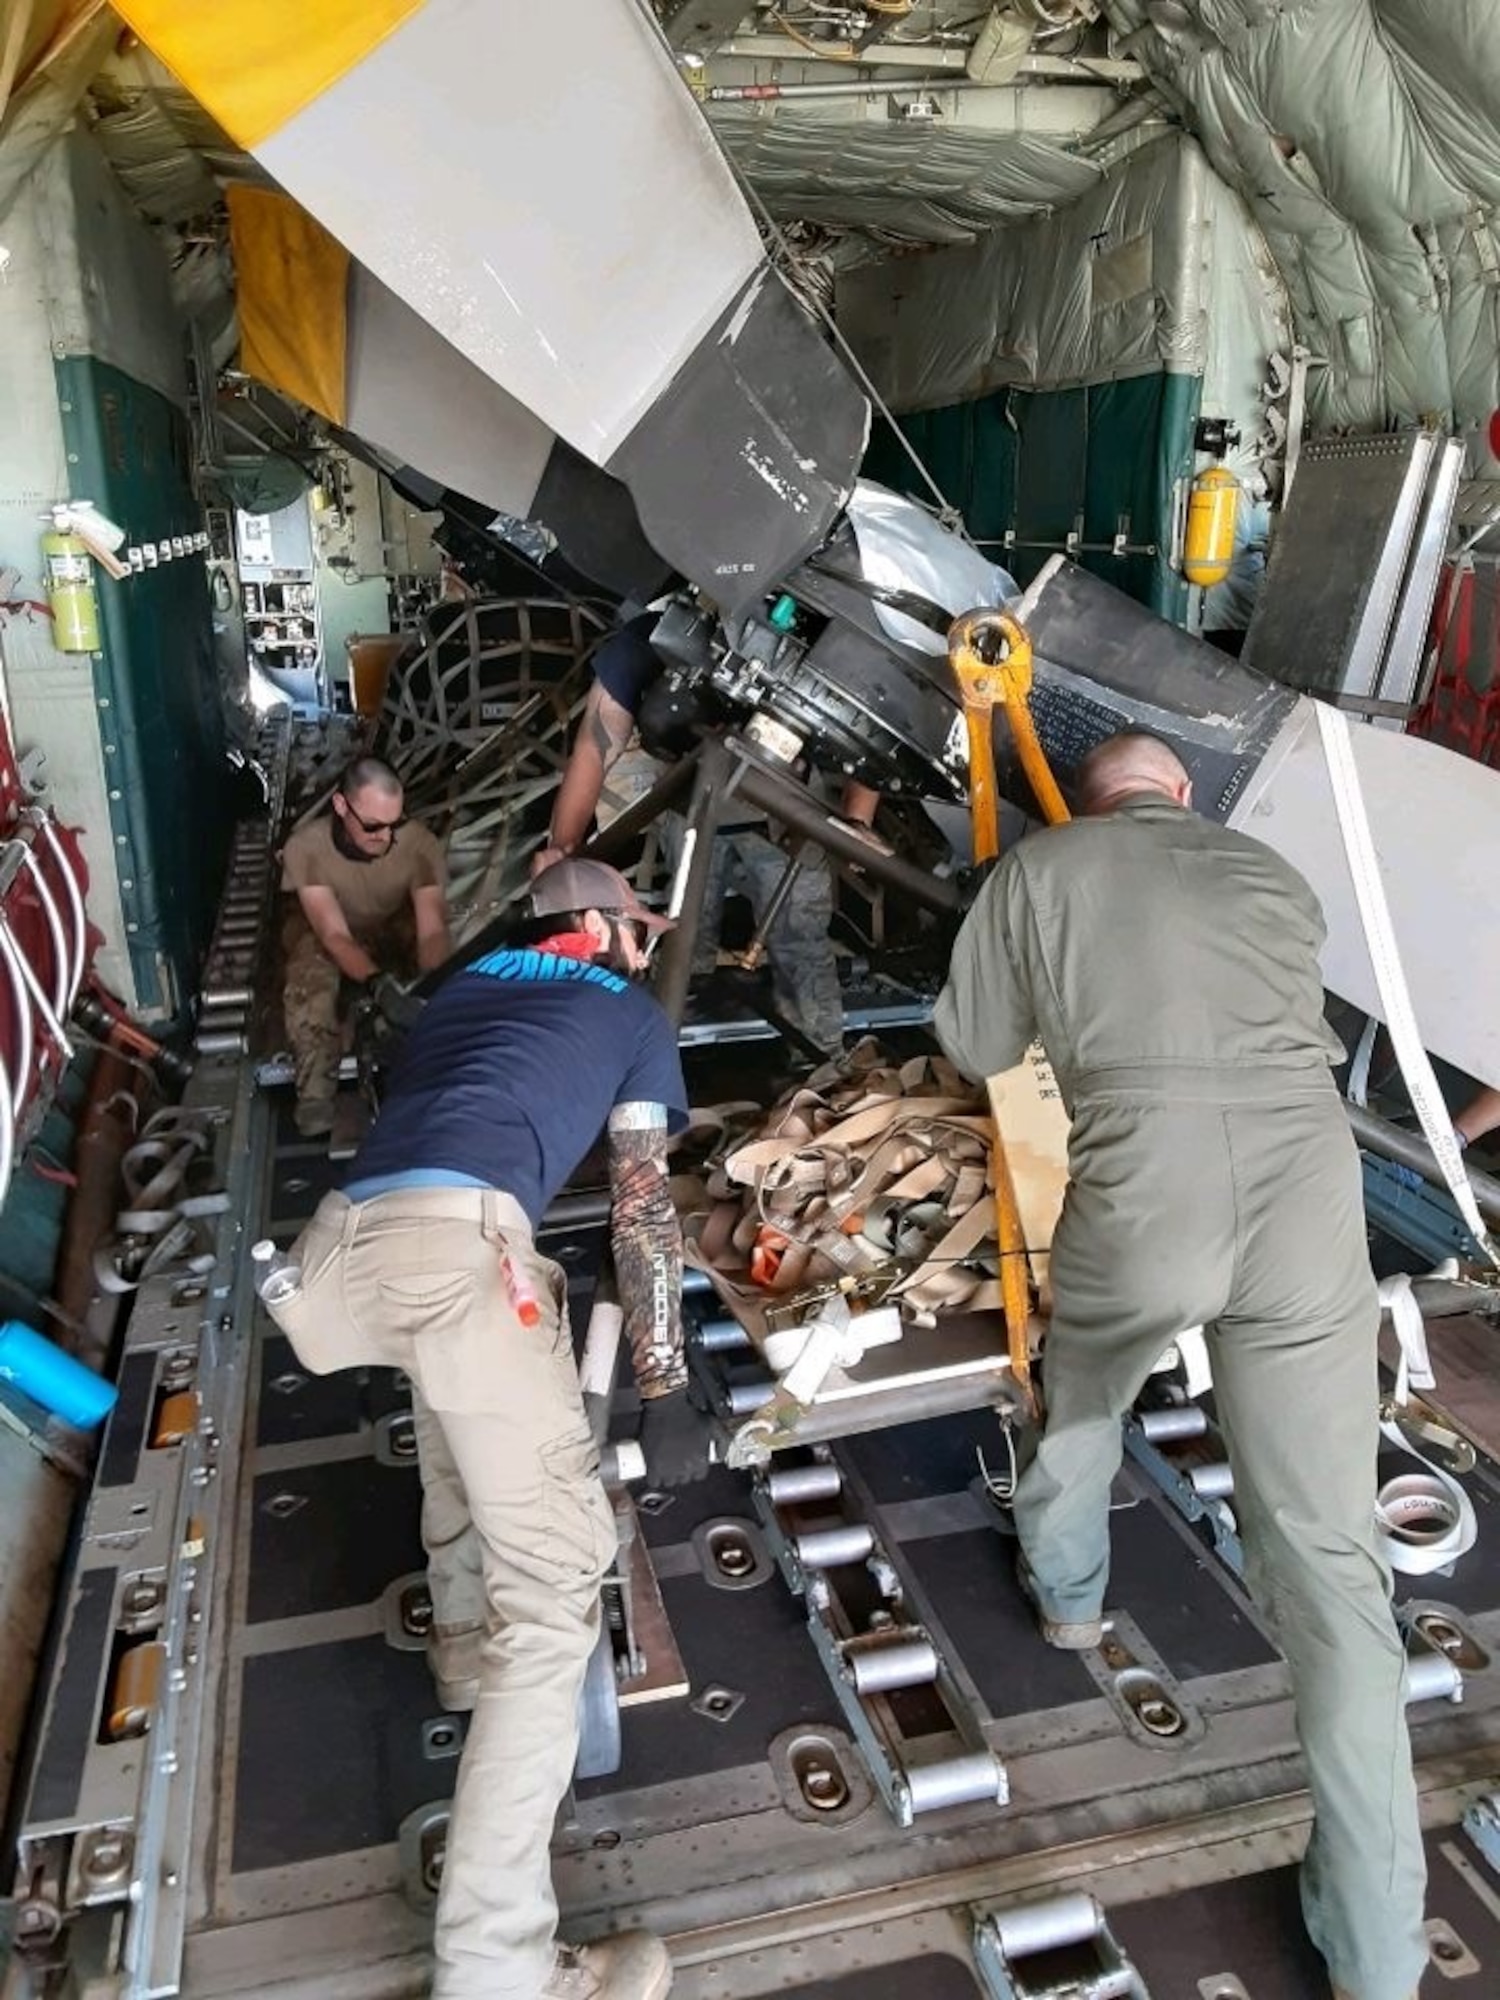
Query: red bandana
x,y
570,944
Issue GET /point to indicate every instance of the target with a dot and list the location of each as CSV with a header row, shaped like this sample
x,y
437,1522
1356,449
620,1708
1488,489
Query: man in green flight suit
x,y
1170,969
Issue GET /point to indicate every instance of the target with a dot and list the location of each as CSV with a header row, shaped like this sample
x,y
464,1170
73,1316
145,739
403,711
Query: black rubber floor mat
x,y
295,1406
914,1460
288,1138
971,1581
733,1072
331,1753
300,1177
754,1642
125,1438
1250,1929
295,1153
382,1391
1474,1916
1177,1598
328,1536
718,1492
935,1976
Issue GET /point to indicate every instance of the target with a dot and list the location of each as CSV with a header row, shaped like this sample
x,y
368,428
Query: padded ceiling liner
x,y
915,182
1365,136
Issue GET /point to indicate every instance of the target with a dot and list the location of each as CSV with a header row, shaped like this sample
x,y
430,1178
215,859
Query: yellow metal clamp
x,y
990,654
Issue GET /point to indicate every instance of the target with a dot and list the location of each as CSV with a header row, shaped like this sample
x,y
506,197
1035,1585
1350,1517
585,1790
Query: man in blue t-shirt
x,y
426,1262
803,968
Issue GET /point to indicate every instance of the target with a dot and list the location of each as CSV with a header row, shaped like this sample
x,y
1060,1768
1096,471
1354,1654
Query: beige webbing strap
x,y
865,1166
940,1279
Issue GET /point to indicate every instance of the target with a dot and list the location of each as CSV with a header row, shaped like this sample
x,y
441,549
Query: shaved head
x,y
370,774
1130,762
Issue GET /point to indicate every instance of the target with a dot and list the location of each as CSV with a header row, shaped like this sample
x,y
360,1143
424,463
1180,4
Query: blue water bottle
x,y
41,1370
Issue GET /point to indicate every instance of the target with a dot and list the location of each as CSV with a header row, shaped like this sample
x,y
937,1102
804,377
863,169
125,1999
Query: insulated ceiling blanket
x,y
1365,138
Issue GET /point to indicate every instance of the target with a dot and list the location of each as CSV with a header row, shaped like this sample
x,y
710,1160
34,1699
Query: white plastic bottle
x,y
277,1278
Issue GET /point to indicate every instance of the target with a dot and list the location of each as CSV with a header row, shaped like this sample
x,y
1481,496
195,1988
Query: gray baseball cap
x,y
591,885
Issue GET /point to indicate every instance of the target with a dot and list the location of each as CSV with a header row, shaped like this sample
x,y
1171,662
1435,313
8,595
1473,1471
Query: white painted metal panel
x,y
109,290
416,398
1435,817
537,182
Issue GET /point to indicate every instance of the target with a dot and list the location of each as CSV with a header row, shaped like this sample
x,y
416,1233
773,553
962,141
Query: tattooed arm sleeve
x,y
647,1242
606,728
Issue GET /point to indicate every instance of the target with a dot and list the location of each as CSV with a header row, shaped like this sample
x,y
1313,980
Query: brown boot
x,y
1083,1637
631,1966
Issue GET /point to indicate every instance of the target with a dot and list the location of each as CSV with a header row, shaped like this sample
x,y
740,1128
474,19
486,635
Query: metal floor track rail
x,y
923,1744
103,1852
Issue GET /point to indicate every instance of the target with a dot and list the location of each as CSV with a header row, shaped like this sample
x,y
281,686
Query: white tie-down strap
x,y
1390,977
1425,1517
805,1356
1192,1351
1189,1352
1414,1369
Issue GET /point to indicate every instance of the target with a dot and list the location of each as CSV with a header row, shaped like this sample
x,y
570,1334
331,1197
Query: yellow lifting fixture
x,y
990,654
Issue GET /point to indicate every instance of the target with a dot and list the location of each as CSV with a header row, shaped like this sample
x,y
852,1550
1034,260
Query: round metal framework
x,y
478,722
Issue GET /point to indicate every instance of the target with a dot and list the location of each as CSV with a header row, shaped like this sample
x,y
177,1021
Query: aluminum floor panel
x,y
933,1977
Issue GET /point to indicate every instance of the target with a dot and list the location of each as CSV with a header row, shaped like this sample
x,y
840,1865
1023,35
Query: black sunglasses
x,y
374,825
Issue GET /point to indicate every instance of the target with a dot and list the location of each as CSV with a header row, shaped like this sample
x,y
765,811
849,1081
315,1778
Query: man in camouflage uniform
x,y
370,899
804,973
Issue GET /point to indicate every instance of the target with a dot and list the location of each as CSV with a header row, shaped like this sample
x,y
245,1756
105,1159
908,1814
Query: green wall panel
x,y
970,450
1051,473
160,719
1035,465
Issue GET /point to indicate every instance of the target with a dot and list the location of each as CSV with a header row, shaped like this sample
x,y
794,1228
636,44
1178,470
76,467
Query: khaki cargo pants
x,y
509,1469
1246,1217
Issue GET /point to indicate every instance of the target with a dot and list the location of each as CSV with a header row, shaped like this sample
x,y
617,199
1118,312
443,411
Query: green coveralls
x,y
1170,968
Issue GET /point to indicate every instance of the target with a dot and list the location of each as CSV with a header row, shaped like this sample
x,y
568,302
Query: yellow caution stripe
x,y
292,294
254,64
